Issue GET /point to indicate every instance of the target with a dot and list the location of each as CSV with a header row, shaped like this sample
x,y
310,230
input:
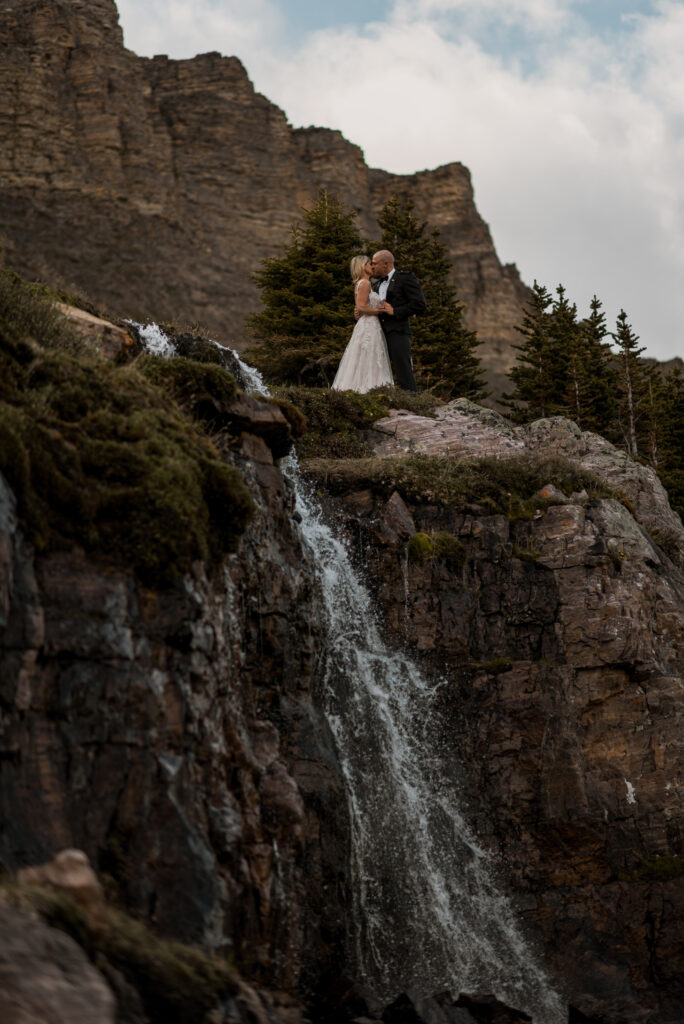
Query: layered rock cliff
x,y
157,186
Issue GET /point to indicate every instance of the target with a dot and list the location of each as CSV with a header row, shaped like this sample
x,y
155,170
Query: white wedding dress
x,y
365,364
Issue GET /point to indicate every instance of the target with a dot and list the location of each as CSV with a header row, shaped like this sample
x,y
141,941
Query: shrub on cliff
x,y
99,457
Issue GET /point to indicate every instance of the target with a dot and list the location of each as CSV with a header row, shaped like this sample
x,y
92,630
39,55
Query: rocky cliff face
x,y
561,641
157,186
171,735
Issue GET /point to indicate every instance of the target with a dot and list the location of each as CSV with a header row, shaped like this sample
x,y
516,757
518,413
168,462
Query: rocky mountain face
x,y
175,734
157,186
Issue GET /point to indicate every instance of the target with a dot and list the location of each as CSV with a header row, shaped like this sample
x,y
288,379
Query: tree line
x,y
566,365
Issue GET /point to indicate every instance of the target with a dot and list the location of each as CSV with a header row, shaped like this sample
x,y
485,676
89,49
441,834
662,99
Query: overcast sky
x,y
569,114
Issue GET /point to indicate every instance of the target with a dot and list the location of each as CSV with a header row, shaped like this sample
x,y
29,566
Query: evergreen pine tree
x,y
308,298
634,391
600,377
443,348
671,461
532,378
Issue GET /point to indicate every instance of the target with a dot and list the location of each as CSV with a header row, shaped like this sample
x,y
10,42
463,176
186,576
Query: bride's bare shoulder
x,y
363,287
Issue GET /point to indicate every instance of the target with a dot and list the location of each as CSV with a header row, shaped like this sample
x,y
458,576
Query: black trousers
x,y
399,348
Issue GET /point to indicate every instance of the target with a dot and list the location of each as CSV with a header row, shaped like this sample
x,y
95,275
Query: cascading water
x,y
427,915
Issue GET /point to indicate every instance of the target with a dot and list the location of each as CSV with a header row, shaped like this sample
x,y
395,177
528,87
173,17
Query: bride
x,y
365,363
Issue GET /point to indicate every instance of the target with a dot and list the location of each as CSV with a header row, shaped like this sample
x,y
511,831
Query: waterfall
x,y
427,914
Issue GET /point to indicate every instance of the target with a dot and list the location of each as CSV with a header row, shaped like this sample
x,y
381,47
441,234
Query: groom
x,y
403,296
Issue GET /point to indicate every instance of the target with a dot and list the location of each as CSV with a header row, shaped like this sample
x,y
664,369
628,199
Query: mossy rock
x,y
440,547
659,869
420,549
448,549
100,457
203,389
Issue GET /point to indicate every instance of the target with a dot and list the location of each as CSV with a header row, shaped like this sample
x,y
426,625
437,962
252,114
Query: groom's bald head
x,y
382,263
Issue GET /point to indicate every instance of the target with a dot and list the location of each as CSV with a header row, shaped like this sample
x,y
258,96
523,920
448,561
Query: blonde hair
x,y
356,266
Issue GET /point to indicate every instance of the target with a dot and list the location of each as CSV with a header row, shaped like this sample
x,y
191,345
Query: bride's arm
x,y
362,307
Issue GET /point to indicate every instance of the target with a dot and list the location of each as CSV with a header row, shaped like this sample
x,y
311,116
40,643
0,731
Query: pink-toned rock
x,y
465,430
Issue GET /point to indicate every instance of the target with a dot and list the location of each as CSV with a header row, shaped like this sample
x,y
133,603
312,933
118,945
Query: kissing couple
x,y
380,344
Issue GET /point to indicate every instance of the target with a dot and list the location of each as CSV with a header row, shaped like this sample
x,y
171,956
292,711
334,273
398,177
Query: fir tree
x,y
443,348
532,394
308,298
599,373
635,389
671,445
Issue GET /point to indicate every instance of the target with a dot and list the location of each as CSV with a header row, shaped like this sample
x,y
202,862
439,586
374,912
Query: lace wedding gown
x,y
365,363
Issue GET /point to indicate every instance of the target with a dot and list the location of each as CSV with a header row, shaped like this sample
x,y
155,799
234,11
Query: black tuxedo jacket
x,y
406,297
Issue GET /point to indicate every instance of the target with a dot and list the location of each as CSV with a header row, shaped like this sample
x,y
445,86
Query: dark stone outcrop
x,y
156,186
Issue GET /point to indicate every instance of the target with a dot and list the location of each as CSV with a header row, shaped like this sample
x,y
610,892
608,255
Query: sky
x,y
568,113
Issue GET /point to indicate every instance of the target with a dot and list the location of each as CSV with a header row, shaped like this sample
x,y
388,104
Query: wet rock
x,y
562,638
487,1008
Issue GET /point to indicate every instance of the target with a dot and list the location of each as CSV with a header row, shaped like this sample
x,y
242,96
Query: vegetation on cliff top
x,y
508,487
335,420
100,457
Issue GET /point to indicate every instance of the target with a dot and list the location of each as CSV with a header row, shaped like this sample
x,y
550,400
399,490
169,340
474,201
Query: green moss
x,y
27,311
420,549
177,983
203,389
100,457
336,420
660,869
448,549
506,487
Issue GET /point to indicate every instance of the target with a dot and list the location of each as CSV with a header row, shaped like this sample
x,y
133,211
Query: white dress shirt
x,y
384,285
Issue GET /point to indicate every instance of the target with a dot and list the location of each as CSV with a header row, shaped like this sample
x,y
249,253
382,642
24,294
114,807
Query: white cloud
x,y
181,29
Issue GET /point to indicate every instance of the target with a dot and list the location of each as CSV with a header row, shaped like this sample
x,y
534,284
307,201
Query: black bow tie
x,y
381,279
